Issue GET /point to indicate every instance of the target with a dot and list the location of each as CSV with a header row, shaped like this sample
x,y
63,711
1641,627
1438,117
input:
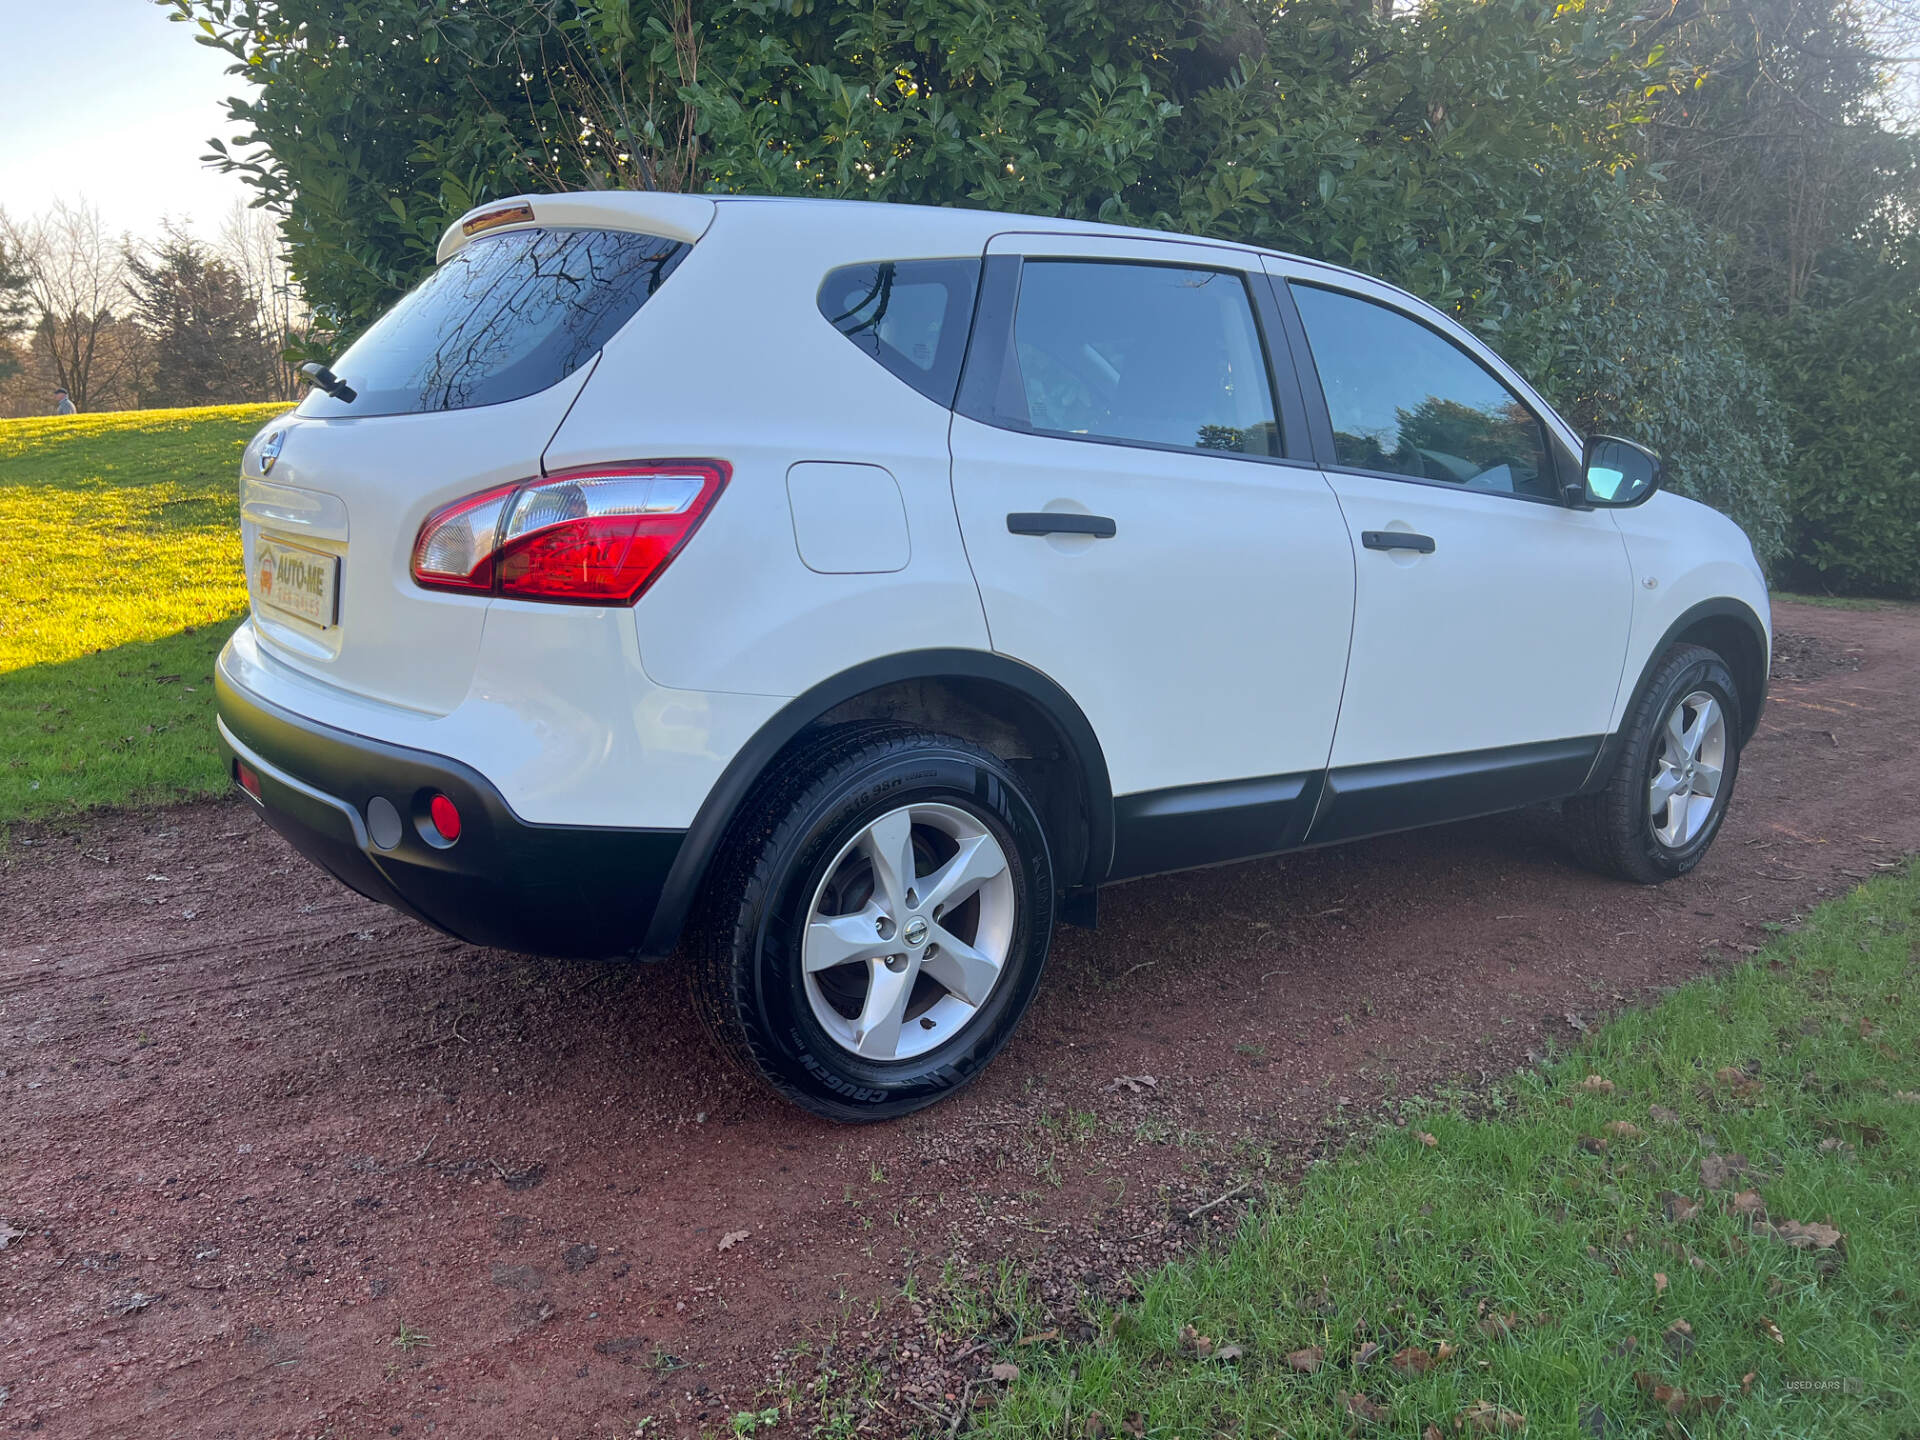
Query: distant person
x,y
63,402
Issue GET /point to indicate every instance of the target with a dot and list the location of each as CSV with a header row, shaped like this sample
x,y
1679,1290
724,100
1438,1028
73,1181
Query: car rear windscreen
x,y
508,315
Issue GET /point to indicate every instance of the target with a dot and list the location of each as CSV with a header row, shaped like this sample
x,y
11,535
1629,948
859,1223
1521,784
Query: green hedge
x,y
1849,372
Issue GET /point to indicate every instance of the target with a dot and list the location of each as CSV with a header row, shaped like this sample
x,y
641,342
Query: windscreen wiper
x,y
323,378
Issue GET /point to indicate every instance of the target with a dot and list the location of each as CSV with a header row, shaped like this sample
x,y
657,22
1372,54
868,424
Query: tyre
x,y
1673,773
878,923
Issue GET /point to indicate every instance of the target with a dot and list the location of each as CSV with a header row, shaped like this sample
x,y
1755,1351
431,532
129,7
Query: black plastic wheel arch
x,y
723,802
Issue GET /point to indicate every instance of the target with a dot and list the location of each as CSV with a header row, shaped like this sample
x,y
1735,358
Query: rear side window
x,y
1406,401
910,315
1146,354
507,316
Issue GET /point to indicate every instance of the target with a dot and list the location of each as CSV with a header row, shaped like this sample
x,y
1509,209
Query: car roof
x,y
966,222
687,217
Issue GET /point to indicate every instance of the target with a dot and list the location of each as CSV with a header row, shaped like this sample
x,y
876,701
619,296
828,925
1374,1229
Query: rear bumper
x,y
577,891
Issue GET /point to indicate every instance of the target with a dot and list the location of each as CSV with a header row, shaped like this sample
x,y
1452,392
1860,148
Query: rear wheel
x,y
879,924
1673,773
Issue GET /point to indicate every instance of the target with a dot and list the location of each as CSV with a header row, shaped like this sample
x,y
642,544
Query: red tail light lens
x,y
587,537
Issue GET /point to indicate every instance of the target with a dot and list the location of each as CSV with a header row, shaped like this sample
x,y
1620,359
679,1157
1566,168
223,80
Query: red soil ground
x,y
252,1125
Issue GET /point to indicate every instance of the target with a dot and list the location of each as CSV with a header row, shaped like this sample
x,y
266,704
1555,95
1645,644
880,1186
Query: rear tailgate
x,y
351,494
454,391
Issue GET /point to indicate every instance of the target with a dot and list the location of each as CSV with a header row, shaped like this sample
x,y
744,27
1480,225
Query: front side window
x,y
1406,401
508,315
1149,354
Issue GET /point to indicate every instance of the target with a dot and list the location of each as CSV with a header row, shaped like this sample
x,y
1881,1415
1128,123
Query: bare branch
x,y
76,283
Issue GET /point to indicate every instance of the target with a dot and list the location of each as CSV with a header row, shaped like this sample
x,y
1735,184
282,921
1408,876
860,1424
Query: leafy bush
x,y
1850,367
1480,153
1629,327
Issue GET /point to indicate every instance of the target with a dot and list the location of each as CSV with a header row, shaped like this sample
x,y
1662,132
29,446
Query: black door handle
x,y
1396,540
1065,522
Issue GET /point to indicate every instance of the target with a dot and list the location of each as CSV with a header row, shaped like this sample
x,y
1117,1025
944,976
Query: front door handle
x,y
1396,540
1065,522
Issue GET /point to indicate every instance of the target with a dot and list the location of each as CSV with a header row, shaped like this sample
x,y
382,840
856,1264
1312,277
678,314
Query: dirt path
x,y
252,1125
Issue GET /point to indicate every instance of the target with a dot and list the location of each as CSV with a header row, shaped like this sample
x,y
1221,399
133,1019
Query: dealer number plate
x,y
296,581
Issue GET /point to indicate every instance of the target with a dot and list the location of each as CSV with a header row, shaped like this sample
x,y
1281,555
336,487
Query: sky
x,y
111,101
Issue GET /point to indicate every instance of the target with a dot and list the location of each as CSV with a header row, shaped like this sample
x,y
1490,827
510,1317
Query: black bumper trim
x,y
569,891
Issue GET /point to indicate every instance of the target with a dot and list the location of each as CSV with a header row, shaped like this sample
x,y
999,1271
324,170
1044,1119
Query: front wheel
x,y
880,924
1673,773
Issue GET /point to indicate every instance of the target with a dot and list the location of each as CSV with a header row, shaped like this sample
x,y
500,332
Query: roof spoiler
x,y
651,212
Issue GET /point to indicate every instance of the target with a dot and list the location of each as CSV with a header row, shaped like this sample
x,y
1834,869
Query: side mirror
x,y
1615,473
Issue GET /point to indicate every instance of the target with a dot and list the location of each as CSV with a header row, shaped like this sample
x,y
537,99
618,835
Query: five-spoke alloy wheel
x,y
881,930
908,932
1691,758
1672,772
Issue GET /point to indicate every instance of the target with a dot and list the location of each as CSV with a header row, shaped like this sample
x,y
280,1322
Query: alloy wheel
x,y
908,932
1687,770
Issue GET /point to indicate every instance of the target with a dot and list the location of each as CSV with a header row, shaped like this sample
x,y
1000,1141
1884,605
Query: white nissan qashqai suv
x,y
851,590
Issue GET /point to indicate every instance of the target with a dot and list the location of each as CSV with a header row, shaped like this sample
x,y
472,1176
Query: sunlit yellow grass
x,y
122,581
126,527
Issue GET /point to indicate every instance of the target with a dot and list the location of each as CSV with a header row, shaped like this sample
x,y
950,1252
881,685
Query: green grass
x,y
128,583
1519,1212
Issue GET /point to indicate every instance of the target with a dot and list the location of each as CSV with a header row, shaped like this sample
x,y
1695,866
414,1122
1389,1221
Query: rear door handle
x,y
1396,540
1066,522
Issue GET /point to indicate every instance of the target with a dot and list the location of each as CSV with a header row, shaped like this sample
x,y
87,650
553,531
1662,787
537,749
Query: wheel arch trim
x,y
729,793
1721,608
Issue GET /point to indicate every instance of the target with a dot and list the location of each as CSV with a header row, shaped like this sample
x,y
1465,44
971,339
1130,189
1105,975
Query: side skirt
x,y
1190,826
1366,800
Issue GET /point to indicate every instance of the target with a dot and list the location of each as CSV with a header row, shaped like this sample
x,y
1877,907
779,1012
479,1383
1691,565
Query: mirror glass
x,y
1619,472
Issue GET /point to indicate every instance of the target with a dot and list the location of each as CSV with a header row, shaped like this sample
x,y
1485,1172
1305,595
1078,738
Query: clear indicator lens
x,y
458,544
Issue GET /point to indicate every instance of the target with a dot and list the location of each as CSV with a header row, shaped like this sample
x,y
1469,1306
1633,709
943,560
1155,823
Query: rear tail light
x,y
586,537
249,781
455,548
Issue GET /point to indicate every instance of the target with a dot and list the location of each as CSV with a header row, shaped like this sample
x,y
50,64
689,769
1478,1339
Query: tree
x,y
1500,158
15,304
1770,118
374,125
252,247
204,341
1849,358
76,277
1780,125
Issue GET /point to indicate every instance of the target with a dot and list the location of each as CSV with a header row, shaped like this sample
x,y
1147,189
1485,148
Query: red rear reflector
x,y
446,817
249,781
596,536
